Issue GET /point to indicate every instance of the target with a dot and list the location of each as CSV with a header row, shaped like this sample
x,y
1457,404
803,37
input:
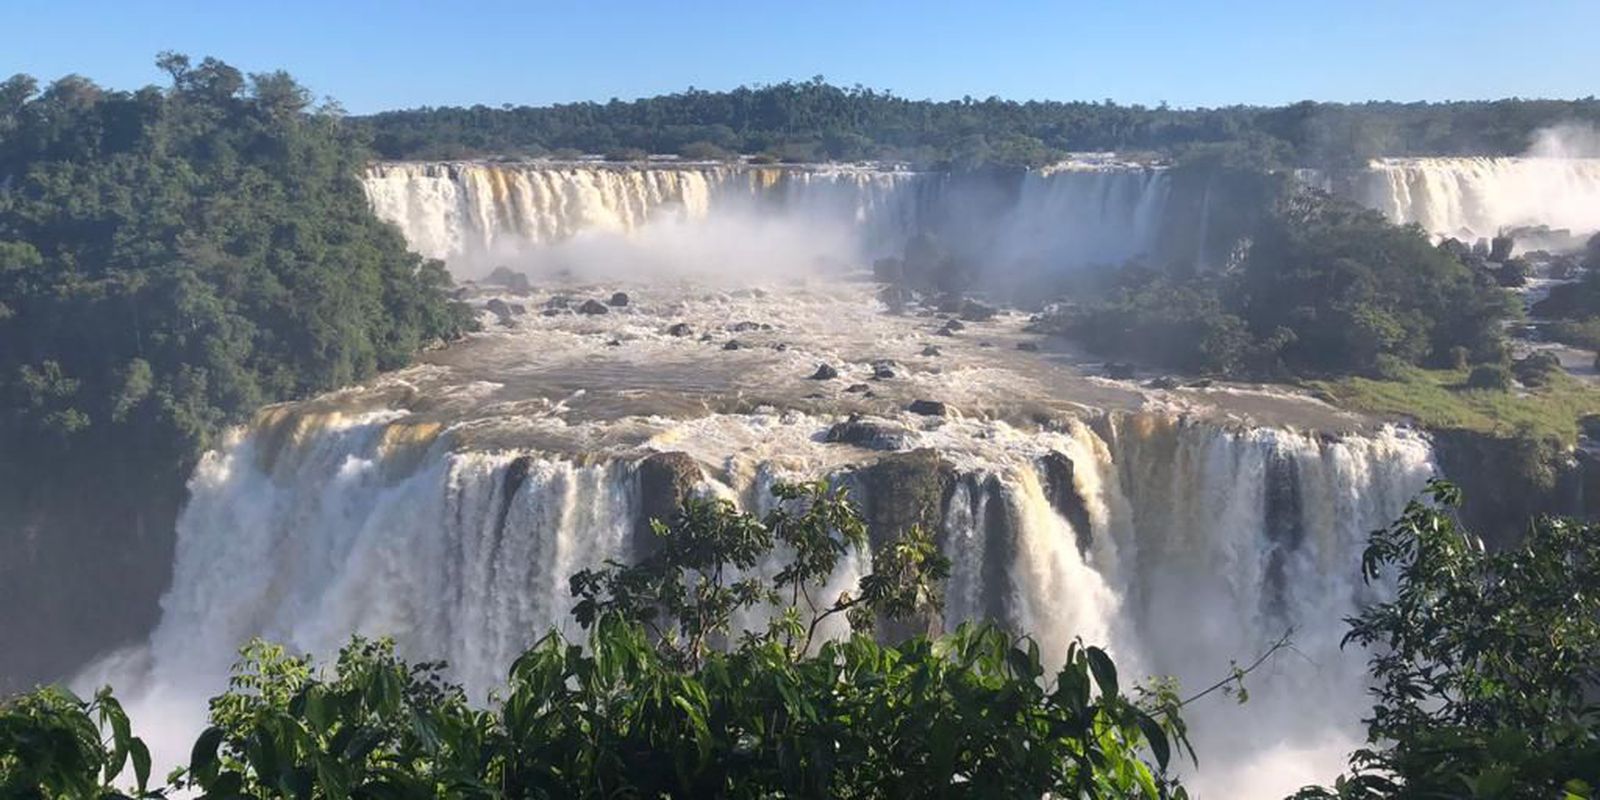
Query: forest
x,y
171,259
814,121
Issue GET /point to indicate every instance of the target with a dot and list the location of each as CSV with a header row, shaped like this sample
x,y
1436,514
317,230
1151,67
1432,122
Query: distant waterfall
x,y
473,214
1471,198
1201,546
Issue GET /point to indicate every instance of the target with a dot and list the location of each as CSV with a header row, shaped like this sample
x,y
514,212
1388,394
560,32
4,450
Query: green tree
x,y
1484,663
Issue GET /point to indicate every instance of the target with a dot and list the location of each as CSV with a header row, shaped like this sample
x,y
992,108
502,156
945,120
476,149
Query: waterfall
x,y
1203,544
477,214
1471,198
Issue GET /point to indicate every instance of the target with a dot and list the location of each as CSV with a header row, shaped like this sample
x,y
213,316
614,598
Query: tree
x,y
1484,663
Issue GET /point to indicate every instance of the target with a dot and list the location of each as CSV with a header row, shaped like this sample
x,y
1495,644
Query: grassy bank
x,y
1439,399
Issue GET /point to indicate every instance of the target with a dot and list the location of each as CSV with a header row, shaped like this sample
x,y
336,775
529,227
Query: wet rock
x,y
856,388
500,309
1028,347
559,301
883,370
974,311
1203,383
781,347
509,278
1165,382
896,298
517,309
931,350
680,329
986,344
944,332
825,372
732,344
871,434
666,480
552,312
1057,471
619,300
614,343
593,307
954,325
948,303
929,408
1120,371
742,327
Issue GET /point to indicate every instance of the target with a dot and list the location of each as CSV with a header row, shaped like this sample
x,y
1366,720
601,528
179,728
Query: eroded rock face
x,y
666,480
1057,471
900,491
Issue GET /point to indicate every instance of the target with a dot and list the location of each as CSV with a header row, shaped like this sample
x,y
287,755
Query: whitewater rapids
x,y
446,504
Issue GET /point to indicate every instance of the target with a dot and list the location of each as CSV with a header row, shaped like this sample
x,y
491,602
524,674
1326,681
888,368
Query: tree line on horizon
x,y
817,121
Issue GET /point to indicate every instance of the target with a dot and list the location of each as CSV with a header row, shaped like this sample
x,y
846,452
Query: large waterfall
x,y
476,214
1182,545
1471,198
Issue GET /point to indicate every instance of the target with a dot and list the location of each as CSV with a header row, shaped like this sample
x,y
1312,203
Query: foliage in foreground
x,y
650,708
1485,664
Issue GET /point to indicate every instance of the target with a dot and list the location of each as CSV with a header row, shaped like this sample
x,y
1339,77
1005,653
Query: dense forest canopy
x,y
814,120
170,260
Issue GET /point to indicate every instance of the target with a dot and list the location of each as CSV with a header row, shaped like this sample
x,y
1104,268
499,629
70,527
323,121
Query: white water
x,y
476,215
1472,198
311,526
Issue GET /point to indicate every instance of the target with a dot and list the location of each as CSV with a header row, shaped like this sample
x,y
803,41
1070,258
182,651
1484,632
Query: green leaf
x,y
1157,739
141,762
203,758
1105,672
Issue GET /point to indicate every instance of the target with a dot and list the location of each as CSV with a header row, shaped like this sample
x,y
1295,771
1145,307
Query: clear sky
x,y
373,55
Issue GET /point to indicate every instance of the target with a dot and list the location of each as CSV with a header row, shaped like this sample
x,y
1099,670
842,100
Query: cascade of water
x,y
478,214
1471,198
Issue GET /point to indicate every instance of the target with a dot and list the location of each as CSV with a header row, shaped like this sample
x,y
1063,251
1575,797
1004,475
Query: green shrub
x,y
1490,376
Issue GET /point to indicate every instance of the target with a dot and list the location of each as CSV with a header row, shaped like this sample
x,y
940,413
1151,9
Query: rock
x,y
742,327
666,480
948,303
825,372
889,270
974,311
855,388
732,344
1165,382
1117,370
955,325
509,278
873,435
1063,494
1590,426
500,309
1500,248
1203,383
614,343
1028,347
618,300
781,346
896,298
882,370
1325,396
552,312
931,350
517,309
929,408
593,307
944,332
559,301
986,344
680,329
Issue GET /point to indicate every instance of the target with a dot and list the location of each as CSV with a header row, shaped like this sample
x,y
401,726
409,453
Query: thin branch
x,y
1237,676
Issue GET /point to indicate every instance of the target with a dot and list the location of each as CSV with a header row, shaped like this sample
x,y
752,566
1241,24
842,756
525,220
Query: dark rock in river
x,y
619,299
856,388
1028,347
882,370
680,329
1117,370
825,372
929,408
732,344
1057,471
974,311
1165,382
742,327
500,309
931,350
509,278
665,481
593,307
873,435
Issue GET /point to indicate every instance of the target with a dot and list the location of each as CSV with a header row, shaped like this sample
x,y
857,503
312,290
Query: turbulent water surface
x,y
446,504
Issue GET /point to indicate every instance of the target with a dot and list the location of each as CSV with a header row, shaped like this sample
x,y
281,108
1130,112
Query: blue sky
x,y
373,55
